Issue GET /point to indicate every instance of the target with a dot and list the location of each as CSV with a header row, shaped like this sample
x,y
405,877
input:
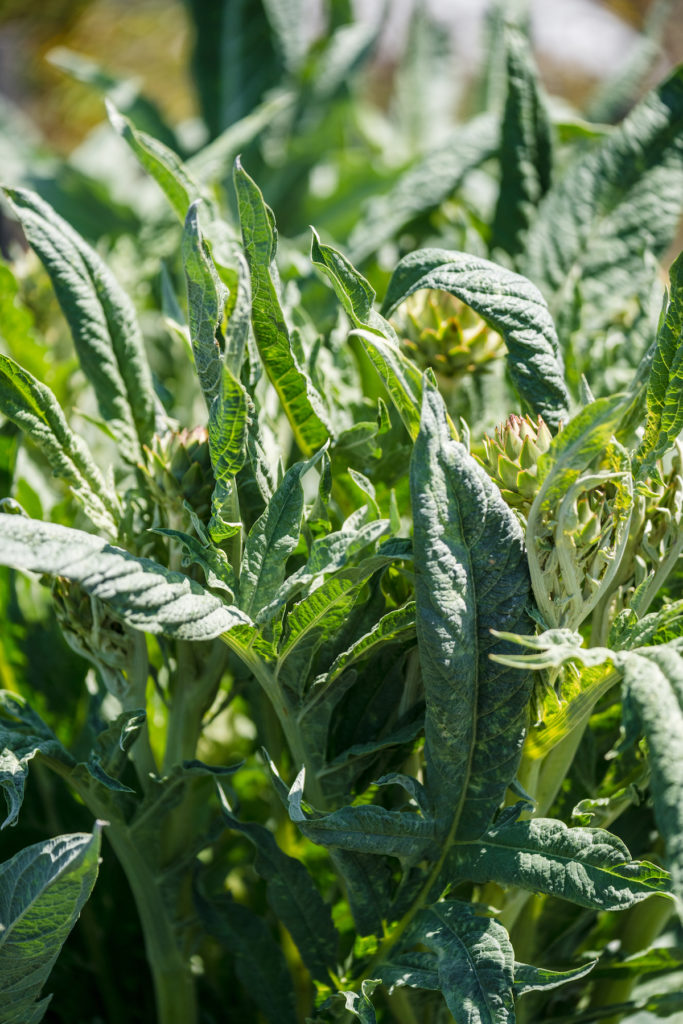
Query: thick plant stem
x,y
174,987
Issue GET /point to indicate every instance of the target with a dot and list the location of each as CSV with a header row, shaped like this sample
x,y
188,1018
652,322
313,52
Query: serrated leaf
x,y
141,592
230,415
213,561
423,186
473,962
471,576
612,204
271,540
588,866
102,321
206,296
42,891
511,304
526,148
401,377
319,618
328,554
665,385
294,898
300,401
34,408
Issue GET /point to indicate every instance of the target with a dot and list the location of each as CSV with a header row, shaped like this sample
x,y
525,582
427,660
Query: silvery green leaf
x,y
587,866
42,891
359,1003
526,148
206,296
653,688
511,304
23,735
141,592
369,829
160,162
473,960
424,185
471,577
217,570
102,319
613,203
271,541
665,385
34,408
300,401
230,414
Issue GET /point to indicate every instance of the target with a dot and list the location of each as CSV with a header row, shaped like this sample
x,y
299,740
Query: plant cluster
x,y
364,652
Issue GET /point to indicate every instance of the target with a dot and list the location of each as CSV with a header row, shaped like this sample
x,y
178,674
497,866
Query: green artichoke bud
x,y
178,468
439,331
91,630
511,459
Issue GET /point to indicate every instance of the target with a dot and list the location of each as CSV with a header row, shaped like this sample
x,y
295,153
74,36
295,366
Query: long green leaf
x,y
471,576
472,963
34,408
102,321
511,304
300,401
588,866
206,297
293,897
665,386
526,148
365,829
424,186
160,162
42,892
271,540
318,618
141,592
612,205
235,61
653,683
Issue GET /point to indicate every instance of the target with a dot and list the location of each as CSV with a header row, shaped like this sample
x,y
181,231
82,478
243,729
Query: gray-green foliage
x,y
377,704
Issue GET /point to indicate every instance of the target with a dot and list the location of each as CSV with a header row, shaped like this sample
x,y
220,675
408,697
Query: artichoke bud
x,y
178,468
90,629
439,331
511,459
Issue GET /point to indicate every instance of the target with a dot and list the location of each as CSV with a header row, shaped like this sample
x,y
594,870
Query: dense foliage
x,y
354,656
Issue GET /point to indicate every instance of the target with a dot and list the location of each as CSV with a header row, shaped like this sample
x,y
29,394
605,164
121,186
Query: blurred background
x,y
578,43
